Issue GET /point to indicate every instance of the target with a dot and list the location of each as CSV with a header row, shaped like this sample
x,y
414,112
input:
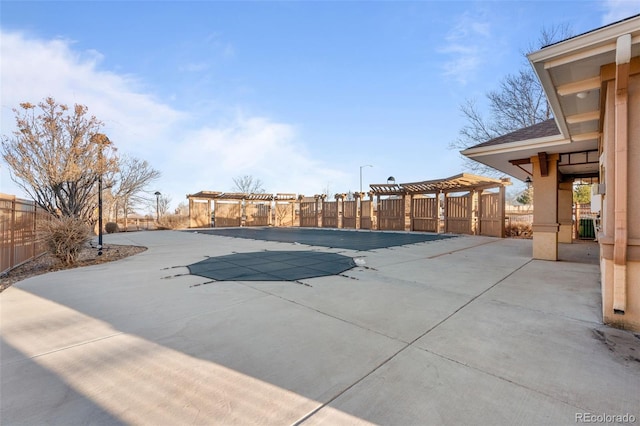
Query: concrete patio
x,y
467,330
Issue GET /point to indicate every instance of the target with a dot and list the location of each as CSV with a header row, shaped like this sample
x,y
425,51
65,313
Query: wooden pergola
x,y
432,205
221,209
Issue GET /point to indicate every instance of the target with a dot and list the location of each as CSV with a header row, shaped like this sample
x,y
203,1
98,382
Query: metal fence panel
x,y
18,238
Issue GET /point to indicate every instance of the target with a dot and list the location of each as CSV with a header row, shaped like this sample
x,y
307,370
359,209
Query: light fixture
x,y
582,95
528,180
391,180
157,194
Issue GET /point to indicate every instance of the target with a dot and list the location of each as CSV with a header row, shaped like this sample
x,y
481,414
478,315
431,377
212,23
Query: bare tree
x,y
248,184
57,155
164,201
518,102
182,209
133,176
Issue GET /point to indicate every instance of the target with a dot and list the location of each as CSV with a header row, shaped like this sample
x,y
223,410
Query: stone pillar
x,y
320,208
408,213
377,210
445,212
472,212
339,208
565,212
545,211
358,198
502,209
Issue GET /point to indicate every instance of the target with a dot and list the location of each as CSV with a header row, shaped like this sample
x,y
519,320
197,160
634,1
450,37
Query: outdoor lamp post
x,y
391,180
157,194
101,140
366,165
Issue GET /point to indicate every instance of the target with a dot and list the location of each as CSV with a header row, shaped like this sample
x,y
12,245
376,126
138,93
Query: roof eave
x,y
537,143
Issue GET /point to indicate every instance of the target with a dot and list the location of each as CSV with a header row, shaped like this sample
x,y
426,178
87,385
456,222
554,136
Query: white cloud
x,y
616,10
191,157
468,44
255,146
34,69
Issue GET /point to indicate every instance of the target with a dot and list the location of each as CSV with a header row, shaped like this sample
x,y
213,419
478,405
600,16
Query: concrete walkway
x,y
467,330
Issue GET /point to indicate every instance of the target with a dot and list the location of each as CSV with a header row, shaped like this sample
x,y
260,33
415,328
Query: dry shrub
x,y
65,237
519,230
173,221
111,227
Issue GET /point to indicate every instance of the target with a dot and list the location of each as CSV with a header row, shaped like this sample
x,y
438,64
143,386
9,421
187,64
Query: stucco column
x,y
408,213
358,199
340,208
377,210
565,212
320,211
545,211
473,212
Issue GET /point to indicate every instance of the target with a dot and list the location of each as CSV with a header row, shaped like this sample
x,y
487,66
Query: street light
x,y
366,165
157,194
101,140
391,180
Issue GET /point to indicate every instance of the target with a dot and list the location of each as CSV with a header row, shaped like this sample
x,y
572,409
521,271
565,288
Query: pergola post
x,y
358,198
339,209
406,197
320,210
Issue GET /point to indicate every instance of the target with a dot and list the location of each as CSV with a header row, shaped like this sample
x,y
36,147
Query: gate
x,y
349,209
199,215
457,218
257,214
309,214
330,214
391,214
424,214
491,218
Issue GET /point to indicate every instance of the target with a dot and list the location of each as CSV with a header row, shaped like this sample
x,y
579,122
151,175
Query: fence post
x,y
35,224
339,209
12,245
358,199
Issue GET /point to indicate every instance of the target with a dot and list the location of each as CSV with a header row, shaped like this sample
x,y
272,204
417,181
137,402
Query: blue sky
x,y
299,94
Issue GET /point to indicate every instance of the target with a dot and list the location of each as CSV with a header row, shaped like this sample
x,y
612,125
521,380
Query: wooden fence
x,y
461,204
424,215
18,239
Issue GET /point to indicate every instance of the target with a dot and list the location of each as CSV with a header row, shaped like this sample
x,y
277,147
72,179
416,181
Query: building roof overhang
x,y
571,75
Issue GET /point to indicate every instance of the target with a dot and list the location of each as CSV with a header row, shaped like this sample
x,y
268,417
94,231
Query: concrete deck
x,y
467,330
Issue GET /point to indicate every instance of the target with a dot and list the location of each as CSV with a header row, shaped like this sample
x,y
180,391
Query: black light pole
x,y
101,140
100,207
157,194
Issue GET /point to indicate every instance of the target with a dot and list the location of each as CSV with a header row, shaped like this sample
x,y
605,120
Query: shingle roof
x,y
540,130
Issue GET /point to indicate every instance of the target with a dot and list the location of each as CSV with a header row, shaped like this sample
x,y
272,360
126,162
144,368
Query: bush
x,y
111,227
65,237
519,230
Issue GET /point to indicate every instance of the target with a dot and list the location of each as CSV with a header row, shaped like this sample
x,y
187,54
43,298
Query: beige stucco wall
x,y
631,317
